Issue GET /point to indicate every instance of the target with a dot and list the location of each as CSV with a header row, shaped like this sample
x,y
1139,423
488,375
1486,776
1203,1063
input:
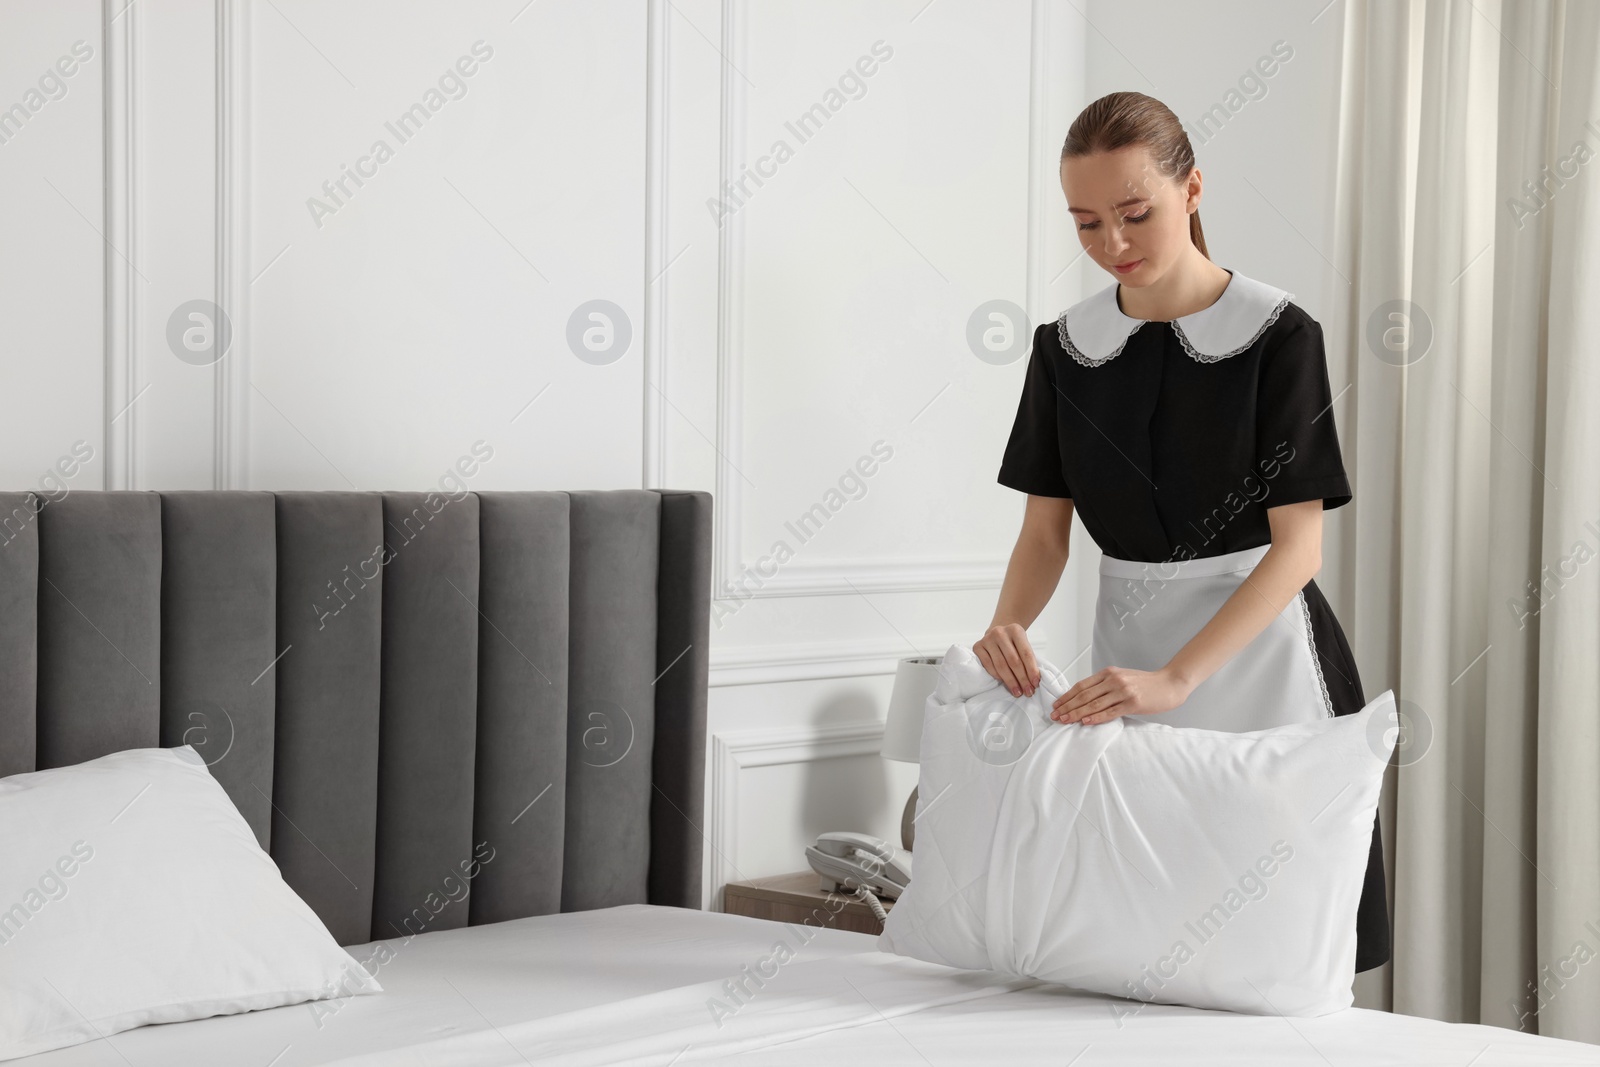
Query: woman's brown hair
x,y
1118,120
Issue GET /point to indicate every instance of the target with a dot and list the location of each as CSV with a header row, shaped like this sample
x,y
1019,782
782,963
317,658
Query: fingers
x,y
1031,665
995,663
1084,690
1105,714
1021,676
1071,695
1099,710
1093,695
1006,654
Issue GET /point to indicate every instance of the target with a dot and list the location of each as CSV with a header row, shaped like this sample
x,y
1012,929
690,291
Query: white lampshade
x,y
914,680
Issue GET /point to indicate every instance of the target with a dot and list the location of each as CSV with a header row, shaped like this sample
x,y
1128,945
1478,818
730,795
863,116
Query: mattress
x,y
647,984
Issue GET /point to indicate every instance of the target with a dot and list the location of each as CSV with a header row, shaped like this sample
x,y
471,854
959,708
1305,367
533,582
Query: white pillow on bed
x,y
1151,862
132,891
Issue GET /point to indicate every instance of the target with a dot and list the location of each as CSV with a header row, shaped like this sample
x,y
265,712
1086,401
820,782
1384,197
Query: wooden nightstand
x,y
798,897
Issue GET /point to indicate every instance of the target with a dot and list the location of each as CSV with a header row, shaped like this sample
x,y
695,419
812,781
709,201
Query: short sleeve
x,y
1032,460
1297,444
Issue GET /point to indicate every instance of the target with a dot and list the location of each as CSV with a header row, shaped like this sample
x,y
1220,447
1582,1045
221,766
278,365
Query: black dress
x,y
1174,438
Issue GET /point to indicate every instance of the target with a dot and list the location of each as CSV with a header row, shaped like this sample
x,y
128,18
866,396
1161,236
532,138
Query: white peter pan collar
x,y
1095,329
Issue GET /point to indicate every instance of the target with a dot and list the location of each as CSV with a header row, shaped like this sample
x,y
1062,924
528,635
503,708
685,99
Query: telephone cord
x,y
870,899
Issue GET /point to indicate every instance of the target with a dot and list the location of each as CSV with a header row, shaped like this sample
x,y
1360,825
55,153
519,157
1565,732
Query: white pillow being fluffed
x,y
1147,861
132,891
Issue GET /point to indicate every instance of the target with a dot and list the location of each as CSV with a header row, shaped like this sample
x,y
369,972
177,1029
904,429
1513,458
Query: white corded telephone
x,y
856,862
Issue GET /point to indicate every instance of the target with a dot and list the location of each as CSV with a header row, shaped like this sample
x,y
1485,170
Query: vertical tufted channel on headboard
x,y
99,625
404,693
330,639
521,773
683,637
610,708
427,742
219,570
19,632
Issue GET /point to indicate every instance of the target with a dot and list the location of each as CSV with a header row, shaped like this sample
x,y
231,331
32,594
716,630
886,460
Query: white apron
x,y
1146,612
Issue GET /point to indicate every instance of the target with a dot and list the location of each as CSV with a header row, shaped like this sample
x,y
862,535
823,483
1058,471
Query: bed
x,y
526,668
631,984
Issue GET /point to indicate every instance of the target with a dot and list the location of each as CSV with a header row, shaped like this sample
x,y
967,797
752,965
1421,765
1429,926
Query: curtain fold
x,y
1569,641
1472,342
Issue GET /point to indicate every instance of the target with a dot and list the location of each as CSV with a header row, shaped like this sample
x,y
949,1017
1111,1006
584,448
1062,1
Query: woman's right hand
x,y
1006,654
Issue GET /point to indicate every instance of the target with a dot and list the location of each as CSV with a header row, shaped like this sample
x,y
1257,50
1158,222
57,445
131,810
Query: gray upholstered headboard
x,y
388,685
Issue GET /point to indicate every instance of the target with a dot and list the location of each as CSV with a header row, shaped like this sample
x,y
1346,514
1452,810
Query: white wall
x,y
374,339
51,296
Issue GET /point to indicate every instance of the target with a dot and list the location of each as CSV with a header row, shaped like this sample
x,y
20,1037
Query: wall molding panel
x,y
121,99
797,661
888,574
156,435
231,460
849,577
658,247
734,752
726,543
794,661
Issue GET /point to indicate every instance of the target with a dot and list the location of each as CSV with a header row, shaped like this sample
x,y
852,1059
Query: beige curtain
x,y
1469,214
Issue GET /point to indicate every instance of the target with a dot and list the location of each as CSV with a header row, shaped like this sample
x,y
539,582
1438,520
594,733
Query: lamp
x,y
914,681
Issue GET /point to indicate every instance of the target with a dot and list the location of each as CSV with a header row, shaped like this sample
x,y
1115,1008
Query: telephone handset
x,y
847,860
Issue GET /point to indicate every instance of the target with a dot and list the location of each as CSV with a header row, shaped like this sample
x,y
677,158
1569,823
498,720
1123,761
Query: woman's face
x,y
1128,213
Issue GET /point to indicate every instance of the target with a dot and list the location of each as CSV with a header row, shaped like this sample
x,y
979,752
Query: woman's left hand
x,y
1116,691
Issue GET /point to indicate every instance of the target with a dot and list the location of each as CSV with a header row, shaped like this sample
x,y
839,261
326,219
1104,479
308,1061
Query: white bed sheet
x,y
634,984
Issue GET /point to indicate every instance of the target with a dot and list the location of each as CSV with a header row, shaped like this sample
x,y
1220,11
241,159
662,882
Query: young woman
x,y
1184,412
